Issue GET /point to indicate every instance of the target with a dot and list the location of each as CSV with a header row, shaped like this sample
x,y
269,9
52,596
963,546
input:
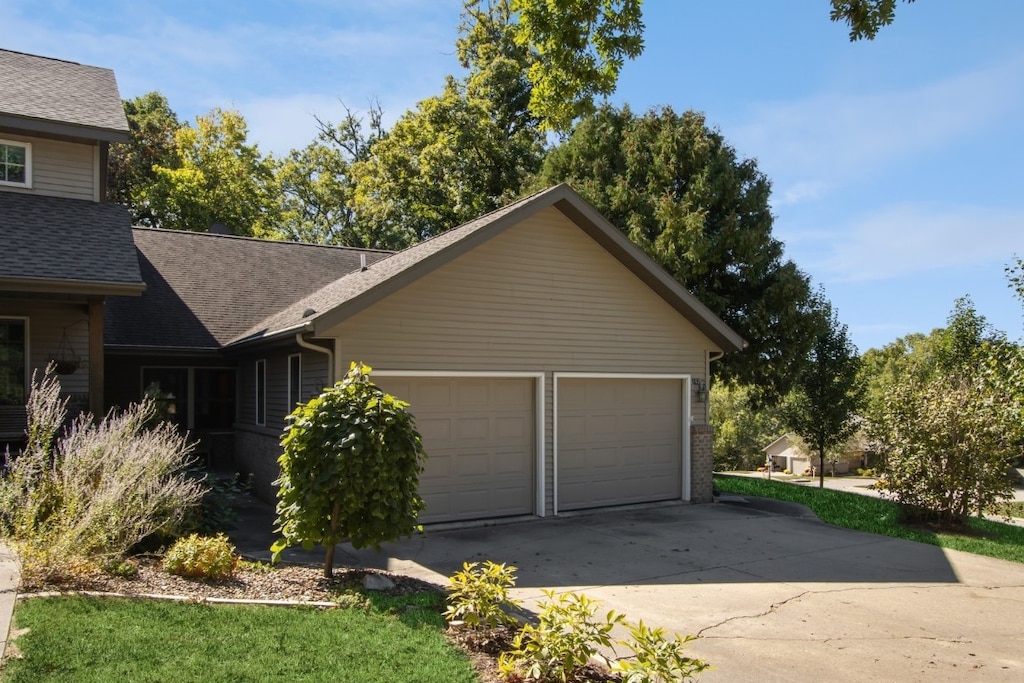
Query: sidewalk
x,y
8,593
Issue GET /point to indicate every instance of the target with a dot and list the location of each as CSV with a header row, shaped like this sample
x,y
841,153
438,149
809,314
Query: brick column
x,y
701,463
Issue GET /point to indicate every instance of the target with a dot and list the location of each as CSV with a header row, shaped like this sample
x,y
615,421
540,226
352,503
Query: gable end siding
x,y
61,169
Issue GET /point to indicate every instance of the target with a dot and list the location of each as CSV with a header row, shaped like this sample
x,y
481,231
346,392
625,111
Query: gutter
x,y
301,341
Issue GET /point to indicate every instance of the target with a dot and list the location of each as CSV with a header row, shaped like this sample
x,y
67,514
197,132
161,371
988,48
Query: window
x,y
197,399
294,380
15,163
13,361
261,392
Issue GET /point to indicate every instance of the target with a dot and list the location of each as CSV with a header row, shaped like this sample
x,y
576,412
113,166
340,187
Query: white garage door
x,y
479,435
619,441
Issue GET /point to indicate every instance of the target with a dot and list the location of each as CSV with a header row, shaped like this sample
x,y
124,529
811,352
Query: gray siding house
x,y
550,364
62,250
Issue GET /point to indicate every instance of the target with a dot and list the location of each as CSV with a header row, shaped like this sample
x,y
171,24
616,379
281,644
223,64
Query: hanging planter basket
x,y
66,361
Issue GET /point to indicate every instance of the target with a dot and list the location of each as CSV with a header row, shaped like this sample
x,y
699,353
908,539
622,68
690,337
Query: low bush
x,y
478,595
85,496
656,657
201,557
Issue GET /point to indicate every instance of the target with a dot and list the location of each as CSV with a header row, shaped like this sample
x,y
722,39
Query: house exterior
x,y
550,364
63,251
785,454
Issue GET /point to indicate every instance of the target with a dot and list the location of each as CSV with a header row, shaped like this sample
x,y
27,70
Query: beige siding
x,y
47,322
540,297
61,169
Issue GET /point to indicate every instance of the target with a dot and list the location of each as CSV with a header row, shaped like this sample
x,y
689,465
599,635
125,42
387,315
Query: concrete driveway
x,y
773,593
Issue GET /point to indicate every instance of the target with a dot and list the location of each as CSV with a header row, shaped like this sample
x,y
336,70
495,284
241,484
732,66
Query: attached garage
x,y
618,440
480,435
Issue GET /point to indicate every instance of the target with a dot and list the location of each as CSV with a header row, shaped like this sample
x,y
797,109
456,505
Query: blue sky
x,y
895,163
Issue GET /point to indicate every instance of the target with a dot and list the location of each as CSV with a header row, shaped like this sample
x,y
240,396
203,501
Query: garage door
x,y
480,440
619,441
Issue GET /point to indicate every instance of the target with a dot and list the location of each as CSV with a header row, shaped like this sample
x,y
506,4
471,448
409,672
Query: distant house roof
x,y
56,245
55,97
203,289
350,294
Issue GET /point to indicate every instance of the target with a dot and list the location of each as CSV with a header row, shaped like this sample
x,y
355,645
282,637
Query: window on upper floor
x,y
15,163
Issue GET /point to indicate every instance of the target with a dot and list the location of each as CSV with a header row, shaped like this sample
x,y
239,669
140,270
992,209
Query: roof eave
x,y
63,129
67,286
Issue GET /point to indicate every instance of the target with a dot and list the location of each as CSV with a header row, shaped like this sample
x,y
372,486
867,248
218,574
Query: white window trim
x,y
293,400
28,163
261,390
28,351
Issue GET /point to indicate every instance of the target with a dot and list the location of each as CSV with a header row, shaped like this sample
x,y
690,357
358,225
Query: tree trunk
x,y
329,559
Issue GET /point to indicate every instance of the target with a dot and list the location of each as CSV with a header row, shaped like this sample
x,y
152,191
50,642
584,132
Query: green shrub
x,y
350,469
201,557
478,595
656,658
566,637
88,495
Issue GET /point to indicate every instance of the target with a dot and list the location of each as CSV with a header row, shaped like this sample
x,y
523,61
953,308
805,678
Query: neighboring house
x,y
785,453
62,250
549,363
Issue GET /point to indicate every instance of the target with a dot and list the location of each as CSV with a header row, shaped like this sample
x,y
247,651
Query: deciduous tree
x,y
678,191
828,394
350,469
220,178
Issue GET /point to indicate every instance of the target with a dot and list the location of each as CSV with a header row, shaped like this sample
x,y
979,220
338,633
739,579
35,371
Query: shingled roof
x,y
51,244
203,289
322,309
52,96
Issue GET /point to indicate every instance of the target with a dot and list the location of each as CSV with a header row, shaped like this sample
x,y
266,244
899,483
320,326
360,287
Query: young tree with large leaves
x,y
828,393
678,191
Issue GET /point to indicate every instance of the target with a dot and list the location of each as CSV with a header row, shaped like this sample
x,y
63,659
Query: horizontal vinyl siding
x,y
47,323
61,169
540,296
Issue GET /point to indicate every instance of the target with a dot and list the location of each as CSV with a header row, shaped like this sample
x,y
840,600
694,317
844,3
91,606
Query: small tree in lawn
x,y
828,391
350,469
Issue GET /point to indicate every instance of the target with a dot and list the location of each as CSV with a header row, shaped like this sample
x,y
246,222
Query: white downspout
x,y
319,349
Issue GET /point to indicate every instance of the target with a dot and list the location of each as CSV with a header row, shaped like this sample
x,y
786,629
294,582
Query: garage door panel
x,y
619,441
479,437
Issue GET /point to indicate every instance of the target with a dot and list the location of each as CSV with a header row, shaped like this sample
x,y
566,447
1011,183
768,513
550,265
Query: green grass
x,y
878,516
103,639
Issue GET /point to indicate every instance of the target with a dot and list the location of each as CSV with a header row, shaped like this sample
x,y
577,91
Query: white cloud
x,y
819,143
908,238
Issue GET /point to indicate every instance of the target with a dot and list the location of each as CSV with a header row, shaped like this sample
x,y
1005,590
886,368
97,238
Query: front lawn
x,y
89,639
878,516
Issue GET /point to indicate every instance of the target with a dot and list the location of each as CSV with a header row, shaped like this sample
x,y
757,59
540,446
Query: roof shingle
x,y
53,90
60,243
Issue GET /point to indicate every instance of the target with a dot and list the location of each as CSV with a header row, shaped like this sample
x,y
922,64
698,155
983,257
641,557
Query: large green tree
x,y
220,177
152,125
678,191
864,17
828,394
459,154
316,184
741,431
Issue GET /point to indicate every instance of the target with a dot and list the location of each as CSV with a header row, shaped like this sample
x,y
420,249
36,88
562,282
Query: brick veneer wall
x,y
701,463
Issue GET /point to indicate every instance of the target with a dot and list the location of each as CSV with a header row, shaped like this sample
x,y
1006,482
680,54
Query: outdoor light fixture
x,y
700,388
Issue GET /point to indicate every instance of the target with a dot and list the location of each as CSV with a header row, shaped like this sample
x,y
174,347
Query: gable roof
x,y
57,245
55,97
205,289
336,301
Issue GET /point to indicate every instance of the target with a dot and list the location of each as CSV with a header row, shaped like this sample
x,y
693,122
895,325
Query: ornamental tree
x,y
350,469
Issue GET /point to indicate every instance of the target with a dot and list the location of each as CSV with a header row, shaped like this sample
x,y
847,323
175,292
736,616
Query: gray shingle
x,y
203,290
52,239
64,92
